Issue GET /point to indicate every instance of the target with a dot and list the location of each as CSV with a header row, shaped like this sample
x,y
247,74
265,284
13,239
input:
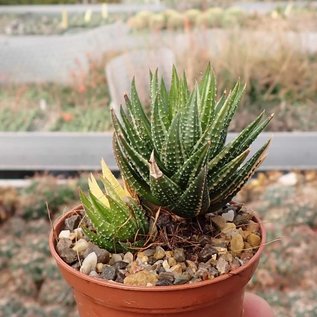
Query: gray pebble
x,y
65,252
109,273
206,253
72,222
179,255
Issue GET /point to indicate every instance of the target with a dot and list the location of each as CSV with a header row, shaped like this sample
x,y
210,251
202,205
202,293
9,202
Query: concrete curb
x,y
34,151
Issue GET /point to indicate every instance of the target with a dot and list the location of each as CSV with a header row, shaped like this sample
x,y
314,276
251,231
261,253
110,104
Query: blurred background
x,y
64,64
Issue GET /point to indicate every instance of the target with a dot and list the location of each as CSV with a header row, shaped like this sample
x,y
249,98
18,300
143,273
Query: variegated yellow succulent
x,y
118,221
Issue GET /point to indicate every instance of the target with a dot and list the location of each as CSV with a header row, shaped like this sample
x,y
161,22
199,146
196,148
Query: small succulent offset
x,y
177,158
118,221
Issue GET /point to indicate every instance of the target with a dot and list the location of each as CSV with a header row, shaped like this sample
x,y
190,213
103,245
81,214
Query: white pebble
x,y
80,246
166,266
64,234
79,233
89,263
228,216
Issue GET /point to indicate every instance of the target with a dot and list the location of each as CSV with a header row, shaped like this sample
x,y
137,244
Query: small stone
x,y
221,250
219,221
237,244
115,258
149,252
65,252
192,265
157,265
169,254
166,266
64,234
176,269
222,265
159,253
93,274
254,240
99,267
142,257
120,276
219,242
171,261
102,254
229,228
163,283
228,216
179,255
78,233
166,276
108,273
242,219
72,222
247,246
80,246
134,267
182,278
244,233
206,253
246,256
235,264
89,263
120,265
253,226
142,278
128,257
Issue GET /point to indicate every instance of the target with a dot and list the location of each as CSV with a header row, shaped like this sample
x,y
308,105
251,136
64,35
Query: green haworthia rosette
x,y
118,221
177,157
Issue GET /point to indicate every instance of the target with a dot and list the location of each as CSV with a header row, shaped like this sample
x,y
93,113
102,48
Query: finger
x,y
255,306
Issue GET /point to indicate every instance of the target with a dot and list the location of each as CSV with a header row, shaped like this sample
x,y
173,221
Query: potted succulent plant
x,y
170,240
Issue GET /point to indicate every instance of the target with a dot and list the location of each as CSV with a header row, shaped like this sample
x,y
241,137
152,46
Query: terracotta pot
x,y
220,297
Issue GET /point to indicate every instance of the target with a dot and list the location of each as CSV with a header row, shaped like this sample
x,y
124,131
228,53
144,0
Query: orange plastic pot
x,y
220,297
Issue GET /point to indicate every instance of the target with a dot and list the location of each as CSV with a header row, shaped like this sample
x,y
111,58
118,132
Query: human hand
x,y
255,306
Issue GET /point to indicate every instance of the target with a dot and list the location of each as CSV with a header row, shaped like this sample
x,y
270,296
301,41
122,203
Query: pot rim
x,y
101,282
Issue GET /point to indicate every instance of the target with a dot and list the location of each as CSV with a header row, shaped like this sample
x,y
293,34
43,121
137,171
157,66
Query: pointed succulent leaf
x,y
162,187
164,109
137,112
223,118
131,176
98,220
195,200
236,181
173,99
114,184
125,228
136,160
101,241
158,129
191,129
172,154
138,215
192,166
96,191
238,145
226,171
207,93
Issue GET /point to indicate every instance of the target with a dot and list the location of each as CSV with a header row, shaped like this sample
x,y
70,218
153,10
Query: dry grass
x,y
48,106
280,76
